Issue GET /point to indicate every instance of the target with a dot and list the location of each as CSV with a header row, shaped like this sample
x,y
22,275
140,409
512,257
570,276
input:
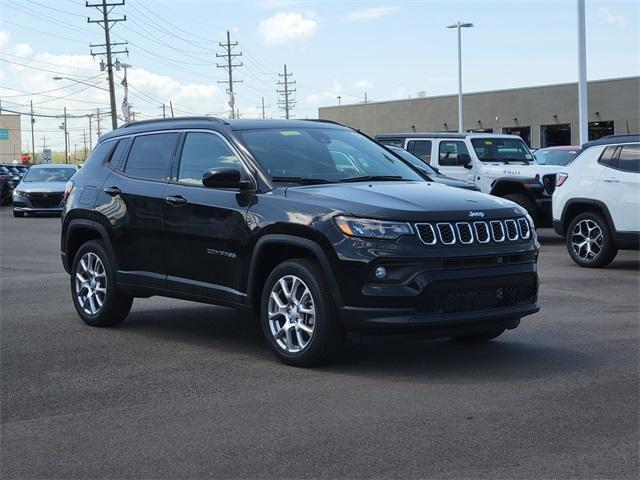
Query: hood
x,y
454,182
405,201
42,186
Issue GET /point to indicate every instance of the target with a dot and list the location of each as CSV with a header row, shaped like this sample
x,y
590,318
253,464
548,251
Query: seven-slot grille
x,y
467,233
45,199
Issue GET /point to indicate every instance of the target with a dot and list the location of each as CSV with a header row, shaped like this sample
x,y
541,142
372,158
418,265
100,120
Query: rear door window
x,y
421,149
609,157
452,154
629,158
150,156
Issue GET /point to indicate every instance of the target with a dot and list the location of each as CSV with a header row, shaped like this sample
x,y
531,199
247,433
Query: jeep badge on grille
x,y
476,214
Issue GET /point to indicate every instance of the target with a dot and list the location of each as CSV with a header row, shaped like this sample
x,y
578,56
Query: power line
x,y
287,103
228,56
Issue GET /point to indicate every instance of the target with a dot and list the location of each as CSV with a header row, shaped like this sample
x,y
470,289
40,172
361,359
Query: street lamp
x,y
80,81
460,26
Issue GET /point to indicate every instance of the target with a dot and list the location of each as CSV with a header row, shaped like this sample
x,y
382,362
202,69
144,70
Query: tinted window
x,y
150,156
101,152
421,149
415,161
609,156
117,159
629,159
201,152
554,157
452,154
49,174
395,142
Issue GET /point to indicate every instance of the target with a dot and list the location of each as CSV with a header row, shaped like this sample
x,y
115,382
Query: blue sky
x,y
389,49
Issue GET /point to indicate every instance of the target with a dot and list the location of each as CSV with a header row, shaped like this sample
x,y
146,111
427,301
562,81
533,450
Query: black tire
x,y
18,214
328,331
479,337
526,203
607,249
116,305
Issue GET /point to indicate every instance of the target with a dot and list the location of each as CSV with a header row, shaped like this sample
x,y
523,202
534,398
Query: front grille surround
x,y
474,233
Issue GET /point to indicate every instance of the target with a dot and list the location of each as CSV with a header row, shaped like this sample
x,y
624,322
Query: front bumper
x,y
19,208
52,203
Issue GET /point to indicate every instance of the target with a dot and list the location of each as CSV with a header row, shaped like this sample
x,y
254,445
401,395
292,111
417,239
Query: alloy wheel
x,y
587,239
91,283
292,314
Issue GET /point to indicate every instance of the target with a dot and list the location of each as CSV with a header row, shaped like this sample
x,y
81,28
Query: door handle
x,y
112,191
611,180
175,200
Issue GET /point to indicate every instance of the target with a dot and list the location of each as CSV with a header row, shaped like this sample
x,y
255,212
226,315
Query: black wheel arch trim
x,y
561,227
319,254
84,224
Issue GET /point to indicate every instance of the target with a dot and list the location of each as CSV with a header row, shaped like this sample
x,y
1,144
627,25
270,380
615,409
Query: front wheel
x,y
589,241
298,316
18,213
95,295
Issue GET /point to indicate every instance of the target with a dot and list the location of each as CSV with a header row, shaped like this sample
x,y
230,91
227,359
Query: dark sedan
x,y
433,174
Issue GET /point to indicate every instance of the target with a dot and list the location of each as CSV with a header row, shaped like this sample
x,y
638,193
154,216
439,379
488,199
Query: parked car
x,y
556,155
501,165
6,185
15,172
261,215
42,189
596,205
431,173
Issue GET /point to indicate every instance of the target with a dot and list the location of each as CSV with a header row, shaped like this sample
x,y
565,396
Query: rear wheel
x,y
298,316
479,337
95,295
526,203
589,241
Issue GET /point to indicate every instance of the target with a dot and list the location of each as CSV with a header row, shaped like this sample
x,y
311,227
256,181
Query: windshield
x,y
555,157
319,155
61,174
415,161
501,150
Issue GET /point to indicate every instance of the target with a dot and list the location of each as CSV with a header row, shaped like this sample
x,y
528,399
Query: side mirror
x,y
465,160
225,178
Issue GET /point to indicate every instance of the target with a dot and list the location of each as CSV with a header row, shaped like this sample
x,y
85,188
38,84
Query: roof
x,y
560,147
54,165
214,123
440,135
613,140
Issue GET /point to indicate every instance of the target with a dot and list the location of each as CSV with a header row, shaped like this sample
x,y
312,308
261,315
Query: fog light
x,y
380,272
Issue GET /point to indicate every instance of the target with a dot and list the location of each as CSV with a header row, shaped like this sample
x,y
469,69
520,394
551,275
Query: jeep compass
x,y
310,225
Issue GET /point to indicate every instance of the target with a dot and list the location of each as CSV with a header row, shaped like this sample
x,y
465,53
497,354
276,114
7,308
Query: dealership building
x,y
543,116
10,139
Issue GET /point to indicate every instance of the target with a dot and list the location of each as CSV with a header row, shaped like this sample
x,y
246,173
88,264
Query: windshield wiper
x,y
300,180
373,178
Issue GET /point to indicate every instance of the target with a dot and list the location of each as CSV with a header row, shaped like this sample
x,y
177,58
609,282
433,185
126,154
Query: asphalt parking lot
x,y
185,390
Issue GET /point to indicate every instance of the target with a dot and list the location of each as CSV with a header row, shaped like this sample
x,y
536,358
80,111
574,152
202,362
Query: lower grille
x,y
45,199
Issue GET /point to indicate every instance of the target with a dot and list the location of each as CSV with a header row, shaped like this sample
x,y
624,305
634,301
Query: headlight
x,y
18,193
369,228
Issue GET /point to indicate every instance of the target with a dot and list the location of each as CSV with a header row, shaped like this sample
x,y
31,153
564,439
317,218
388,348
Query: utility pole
x,y
287,103
365,97
339,100
164,113
171,105
90,134
106,8
263,107
229,66
44,141
84,141
33,142
66,147
583,104
98,122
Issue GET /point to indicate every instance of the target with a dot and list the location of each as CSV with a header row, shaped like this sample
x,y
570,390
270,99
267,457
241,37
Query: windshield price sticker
x,y
290,133
488,142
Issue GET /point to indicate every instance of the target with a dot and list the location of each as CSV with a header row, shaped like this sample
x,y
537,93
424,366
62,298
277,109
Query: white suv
x,y
596,204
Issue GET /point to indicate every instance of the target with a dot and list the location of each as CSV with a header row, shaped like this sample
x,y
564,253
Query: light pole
x,y
80,81
583,103
460,26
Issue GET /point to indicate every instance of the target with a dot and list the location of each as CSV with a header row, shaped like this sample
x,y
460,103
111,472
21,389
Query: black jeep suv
x,y
313,226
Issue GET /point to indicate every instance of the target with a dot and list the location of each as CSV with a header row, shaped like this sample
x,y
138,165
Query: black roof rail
x,y
172,119
322,120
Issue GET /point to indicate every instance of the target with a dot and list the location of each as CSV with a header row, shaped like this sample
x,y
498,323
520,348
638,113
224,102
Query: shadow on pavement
x,y
513,355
